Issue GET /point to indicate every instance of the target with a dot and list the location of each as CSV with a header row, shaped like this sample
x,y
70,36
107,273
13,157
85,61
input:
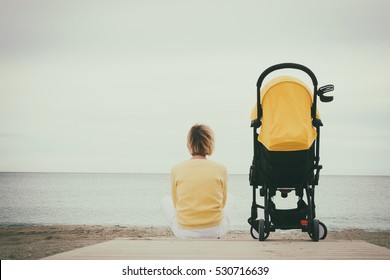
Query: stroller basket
x,y
288,218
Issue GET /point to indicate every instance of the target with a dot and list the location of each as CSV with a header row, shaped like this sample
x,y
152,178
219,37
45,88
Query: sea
x,y
342,202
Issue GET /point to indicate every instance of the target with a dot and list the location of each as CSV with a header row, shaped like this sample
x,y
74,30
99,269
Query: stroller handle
x,y
287,66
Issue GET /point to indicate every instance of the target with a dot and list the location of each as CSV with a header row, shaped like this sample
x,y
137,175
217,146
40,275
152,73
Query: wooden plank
x,y
174,249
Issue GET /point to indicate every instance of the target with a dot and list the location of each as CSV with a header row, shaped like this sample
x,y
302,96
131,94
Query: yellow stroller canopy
x,y
286,118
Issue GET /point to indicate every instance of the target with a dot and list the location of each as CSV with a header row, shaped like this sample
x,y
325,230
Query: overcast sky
x,y
114,86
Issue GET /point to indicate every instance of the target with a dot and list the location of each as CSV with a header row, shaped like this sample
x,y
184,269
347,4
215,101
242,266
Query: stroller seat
x,y
286,129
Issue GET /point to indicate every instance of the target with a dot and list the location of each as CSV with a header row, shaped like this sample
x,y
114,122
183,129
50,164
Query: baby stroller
x,y
286,146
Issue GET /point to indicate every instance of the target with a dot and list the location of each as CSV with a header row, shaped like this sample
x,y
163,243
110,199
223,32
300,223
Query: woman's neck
x,y
198,157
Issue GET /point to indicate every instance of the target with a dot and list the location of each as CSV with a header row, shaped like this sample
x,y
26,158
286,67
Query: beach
x,y
37,242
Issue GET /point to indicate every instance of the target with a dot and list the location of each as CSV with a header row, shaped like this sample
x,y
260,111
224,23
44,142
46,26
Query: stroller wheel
x,y
254,233
254,228
322,231
314,231
263,235
259,226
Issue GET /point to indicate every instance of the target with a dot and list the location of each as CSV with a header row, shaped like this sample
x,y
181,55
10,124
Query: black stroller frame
x,y
304,216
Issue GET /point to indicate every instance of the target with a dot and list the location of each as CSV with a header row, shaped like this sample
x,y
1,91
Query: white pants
x,y
218,231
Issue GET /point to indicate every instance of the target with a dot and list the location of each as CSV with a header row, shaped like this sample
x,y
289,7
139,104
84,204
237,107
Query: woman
x,y
199,191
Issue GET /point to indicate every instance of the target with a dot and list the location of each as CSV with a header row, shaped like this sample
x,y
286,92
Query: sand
x,y
36,242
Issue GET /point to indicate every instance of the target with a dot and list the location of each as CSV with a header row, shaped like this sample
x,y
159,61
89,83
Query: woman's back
x,y
199,192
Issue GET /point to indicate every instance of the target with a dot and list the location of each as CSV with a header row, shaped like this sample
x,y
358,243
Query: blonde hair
x,y
200,140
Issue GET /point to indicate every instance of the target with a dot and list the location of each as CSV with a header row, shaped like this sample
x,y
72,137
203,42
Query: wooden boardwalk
x,y
176,249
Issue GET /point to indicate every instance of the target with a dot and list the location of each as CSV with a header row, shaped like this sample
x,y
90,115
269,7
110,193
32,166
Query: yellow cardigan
x,y
199,191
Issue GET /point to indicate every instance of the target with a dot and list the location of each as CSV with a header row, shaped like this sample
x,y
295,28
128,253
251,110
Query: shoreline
x,y
36,242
